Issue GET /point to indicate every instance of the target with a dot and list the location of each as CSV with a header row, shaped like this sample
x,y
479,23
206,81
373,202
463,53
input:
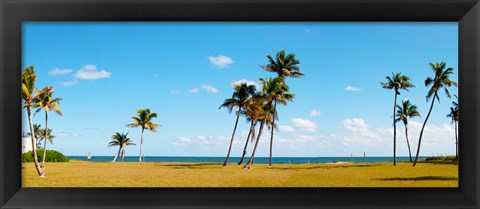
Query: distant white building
x,y
26,144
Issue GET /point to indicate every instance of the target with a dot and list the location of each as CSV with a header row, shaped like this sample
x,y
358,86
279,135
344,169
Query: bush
x,y
52,156
442,158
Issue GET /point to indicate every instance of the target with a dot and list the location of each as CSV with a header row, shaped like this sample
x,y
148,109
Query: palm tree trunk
x,y
141,142
394,131
123,154
231,140
44,153
250,161
421,132
271,134
408,143
246,144
45,140
456,140
118,153
34,145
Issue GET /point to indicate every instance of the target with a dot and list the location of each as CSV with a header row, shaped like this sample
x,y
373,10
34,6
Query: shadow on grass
x,y
325,167
353,166
421,178
190,165
440,162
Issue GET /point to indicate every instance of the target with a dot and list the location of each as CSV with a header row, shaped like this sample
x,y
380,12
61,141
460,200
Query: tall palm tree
x,y
29,95
45,136
240,95
441,80
275,90
47,103
144,119
454,113
36,129
283,65
397,82
121,140
404,112
251,115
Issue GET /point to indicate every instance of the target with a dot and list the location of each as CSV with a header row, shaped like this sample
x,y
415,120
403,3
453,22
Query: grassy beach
x,y
149,174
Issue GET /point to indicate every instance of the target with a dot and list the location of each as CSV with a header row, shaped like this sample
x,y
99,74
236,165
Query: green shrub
x,y
441,158
52,156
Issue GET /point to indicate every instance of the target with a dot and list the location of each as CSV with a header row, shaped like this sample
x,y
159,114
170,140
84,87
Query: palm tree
x,y
454,116
275,90
253,119
47,103
29,96
45,136
441,80
240,95
283,65
261,113
36,129
144,120
397,82
48,135
404,112
121,140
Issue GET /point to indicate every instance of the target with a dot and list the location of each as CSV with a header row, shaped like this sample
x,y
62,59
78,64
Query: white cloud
x,y
58,71
175,91
304,138
65,134
286,128
356,130
301,142
220,61
193,91
257,85
61,134
435,138
90,72
355,125
202,141
351,88
209,89
354,135
68,83
89,67
357,136
314,113
304,124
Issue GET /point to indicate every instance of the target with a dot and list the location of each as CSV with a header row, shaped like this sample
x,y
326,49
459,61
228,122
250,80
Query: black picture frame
x,y
14,12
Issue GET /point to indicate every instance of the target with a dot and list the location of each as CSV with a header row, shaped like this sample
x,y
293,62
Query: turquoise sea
x,y
276,160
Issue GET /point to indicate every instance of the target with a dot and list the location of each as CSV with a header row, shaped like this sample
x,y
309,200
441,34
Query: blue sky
x,y
184,71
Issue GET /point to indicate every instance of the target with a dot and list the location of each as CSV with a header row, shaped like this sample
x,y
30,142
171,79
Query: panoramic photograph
x,y
294,104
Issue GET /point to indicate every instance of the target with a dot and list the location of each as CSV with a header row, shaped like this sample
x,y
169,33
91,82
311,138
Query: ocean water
x,y
260,160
